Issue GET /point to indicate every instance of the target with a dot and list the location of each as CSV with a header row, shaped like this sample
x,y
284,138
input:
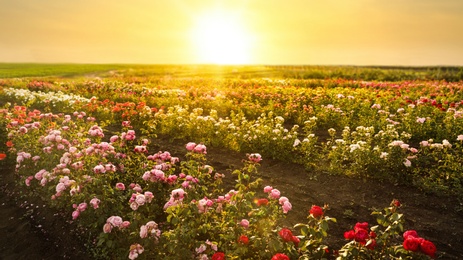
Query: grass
x,y
20,70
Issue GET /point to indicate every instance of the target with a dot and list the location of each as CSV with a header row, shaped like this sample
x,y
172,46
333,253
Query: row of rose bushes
x,y
385,151
423,109
416,107
128,201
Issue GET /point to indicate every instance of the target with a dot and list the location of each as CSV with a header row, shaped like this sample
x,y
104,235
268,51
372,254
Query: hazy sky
x,y
353,32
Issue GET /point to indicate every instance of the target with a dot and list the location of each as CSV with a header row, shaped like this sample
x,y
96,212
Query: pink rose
x,y
82,206
244,223
114,138
282,200
107,228
200,148
60,187
134,205
143,231
75,214
148,196
120,186
185,184
274,194
255,157
94,202
178,194
286,207
116,221
140,199
28,180
267,189
125,224
190,146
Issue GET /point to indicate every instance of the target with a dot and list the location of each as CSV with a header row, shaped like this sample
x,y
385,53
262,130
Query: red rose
x,y
296,240
316,211
262,202
286,234
363,225
243,239
349,235
395,203
361,236
411,244
411,233
280,256
2,156
428,248
218,256
372,234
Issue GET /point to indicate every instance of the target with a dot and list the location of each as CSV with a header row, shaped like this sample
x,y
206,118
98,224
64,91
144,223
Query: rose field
x,y
230,162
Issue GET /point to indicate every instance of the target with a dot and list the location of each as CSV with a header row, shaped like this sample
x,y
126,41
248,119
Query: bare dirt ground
x,y
31,231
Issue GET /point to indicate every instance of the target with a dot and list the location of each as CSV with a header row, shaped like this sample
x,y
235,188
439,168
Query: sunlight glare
x,y
221,38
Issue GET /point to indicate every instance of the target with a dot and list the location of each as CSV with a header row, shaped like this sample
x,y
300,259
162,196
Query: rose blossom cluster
x,y
150,230
288,236
129,136
64,183
220,201
157,175
186,184
202,249
21,156
197,148
78,209
176,197
161,157
96,131
79,115
135,187
204,205
362,235
43,176
135,250
54,137
275,194
138,199
102,149
412,242
115,222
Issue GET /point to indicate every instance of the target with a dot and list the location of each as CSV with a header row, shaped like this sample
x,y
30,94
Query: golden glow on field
x,y
220,37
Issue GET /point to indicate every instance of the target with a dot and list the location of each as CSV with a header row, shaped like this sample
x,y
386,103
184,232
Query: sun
x,y
221,38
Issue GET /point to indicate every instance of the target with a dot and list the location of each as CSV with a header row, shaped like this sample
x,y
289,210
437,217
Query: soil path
x,y
30,231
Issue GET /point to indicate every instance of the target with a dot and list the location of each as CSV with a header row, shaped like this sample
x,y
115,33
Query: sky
x,y
264,32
